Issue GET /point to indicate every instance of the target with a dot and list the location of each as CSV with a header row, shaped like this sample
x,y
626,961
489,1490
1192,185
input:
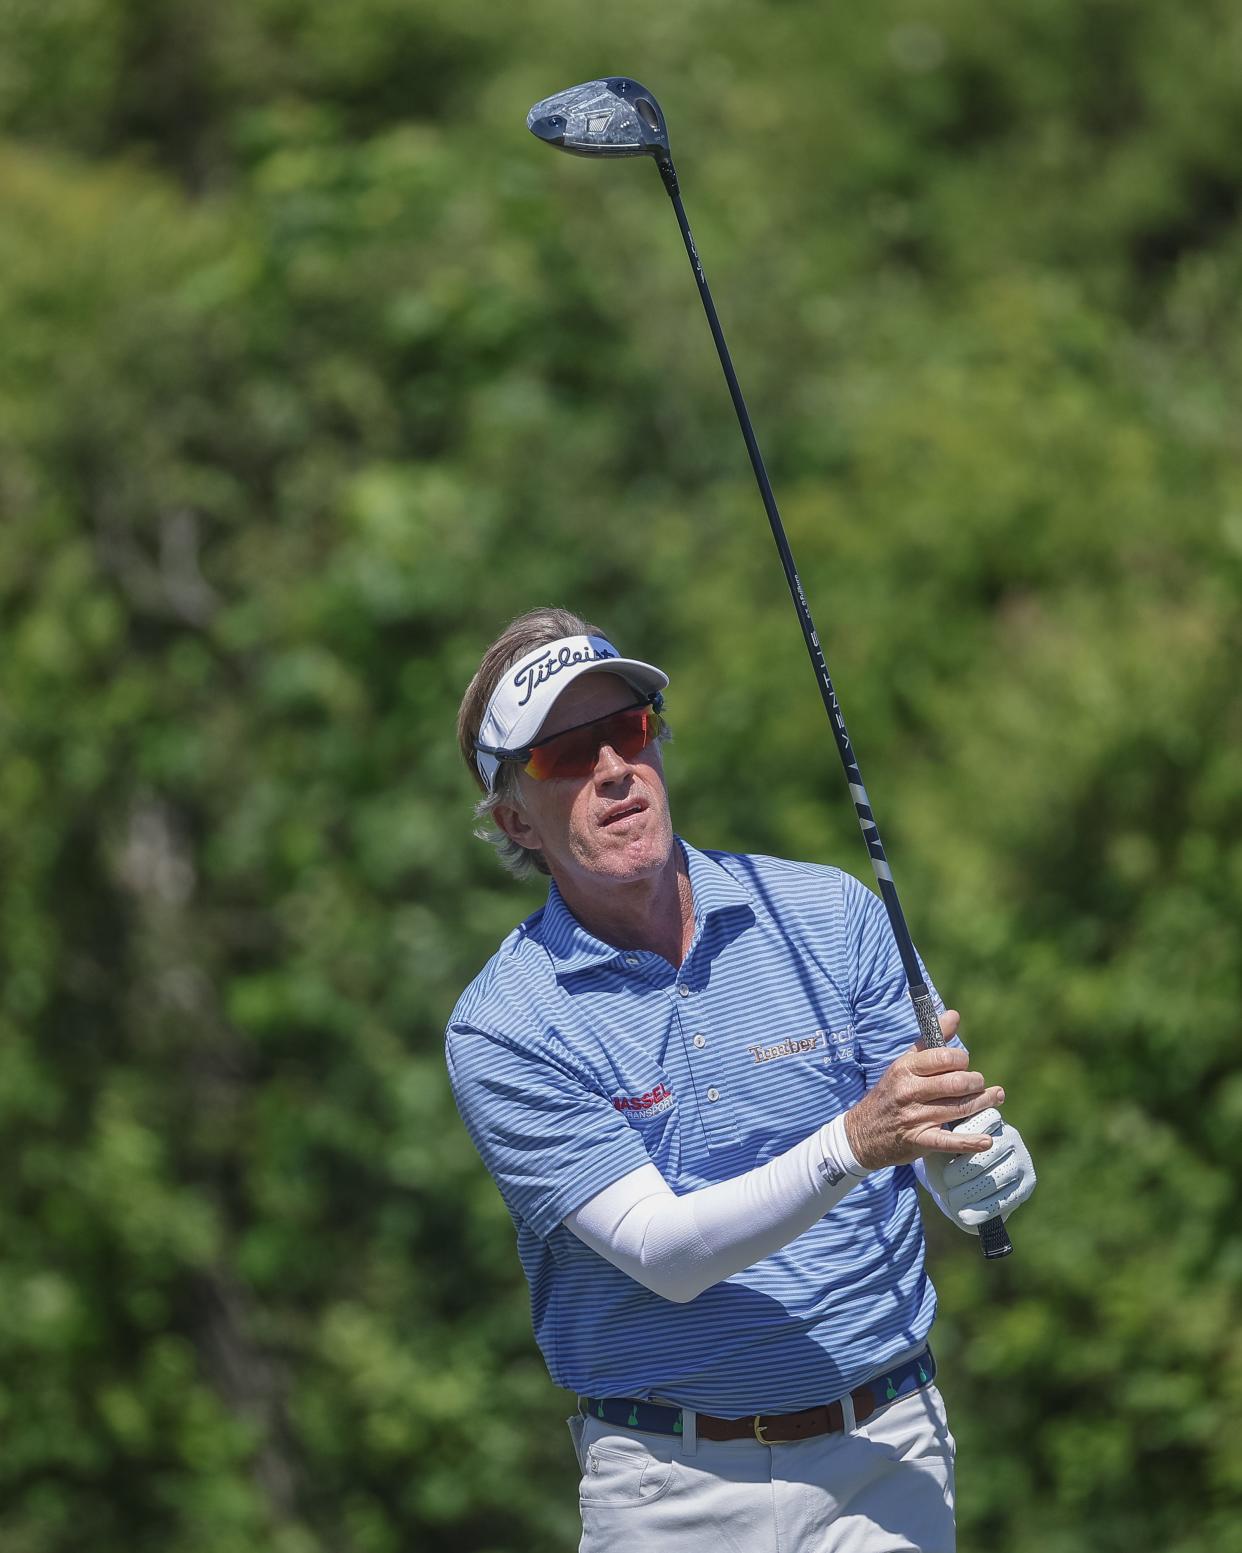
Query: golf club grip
x,y
994,1238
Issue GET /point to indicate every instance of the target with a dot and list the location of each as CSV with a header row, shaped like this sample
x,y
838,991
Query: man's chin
x,y
635,862
638,855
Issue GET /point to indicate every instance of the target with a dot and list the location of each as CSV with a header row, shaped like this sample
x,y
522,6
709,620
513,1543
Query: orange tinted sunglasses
x,y
575,751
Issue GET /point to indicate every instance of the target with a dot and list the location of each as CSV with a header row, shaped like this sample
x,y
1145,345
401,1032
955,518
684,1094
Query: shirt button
x,y
700,1041
631,959
713,1094
682,990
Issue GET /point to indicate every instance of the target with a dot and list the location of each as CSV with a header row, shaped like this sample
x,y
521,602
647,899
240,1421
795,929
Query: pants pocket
x,y
616,1477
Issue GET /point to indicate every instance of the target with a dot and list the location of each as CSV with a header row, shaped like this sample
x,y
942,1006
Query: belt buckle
x,y
759,1428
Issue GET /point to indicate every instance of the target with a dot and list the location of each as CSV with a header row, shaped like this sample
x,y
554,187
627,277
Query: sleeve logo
x,y
651,1104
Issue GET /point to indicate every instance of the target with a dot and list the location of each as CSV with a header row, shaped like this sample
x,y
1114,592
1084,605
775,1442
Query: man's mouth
x,y
623,811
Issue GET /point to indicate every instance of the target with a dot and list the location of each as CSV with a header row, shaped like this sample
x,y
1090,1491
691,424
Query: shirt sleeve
x,y
884,1020
679,1246
549,1139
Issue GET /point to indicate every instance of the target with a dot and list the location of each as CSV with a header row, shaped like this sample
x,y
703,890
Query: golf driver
x,y
618,117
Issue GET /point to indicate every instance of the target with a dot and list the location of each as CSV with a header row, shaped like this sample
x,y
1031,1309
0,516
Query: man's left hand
x,y
972,1188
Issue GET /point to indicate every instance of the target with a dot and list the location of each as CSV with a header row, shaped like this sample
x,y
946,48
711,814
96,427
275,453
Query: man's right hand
x,y
905,1114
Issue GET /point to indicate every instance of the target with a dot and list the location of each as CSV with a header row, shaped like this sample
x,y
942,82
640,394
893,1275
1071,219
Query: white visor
x,y
529,687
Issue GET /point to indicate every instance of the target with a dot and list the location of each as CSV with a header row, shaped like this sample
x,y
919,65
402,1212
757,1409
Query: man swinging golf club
x,y
693,1076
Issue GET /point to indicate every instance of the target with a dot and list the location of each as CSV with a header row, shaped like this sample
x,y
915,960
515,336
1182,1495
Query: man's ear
x,y
513,820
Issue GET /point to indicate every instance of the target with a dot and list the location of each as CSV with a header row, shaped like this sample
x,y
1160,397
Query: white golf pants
x,y
885,1486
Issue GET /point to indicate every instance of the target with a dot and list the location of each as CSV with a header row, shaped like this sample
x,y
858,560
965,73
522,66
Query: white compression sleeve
x,y
679,1246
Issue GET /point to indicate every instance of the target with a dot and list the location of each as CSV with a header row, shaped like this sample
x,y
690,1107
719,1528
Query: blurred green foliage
x,y
317,370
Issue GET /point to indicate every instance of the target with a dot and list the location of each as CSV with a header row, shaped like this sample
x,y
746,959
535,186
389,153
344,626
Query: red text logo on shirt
x,y
651,1104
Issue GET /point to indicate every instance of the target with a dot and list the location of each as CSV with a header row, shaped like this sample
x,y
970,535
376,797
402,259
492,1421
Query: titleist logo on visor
x,y
531,675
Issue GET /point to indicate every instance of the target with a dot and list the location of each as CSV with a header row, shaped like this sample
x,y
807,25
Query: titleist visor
x,y
529,688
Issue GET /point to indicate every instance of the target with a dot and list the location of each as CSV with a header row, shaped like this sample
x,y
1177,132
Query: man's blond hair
x,y
536,628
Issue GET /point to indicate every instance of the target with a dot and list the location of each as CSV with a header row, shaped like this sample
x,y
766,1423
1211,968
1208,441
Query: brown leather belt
x,y
769,1428
782,1428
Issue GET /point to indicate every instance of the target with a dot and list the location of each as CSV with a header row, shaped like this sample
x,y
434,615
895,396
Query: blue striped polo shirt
x,y
574,1062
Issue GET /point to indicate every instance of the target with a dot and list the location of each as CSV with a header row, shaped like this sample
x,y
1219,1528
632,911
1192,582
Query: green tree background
x,y
316,369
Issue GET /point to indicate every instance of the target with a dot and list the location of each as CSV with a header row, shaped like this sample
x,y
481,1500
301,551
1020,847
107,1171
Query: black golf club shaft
x,y
993,1236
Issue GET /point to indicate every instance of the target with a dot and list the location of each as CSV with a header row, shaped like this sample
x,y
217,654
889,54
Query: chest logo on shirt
x,y
792,1046
651,1104
789,1047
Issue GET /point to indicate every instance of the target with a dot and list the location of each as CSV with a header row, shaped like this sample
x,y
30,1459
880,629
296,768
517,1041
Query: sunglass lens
x,y
574,754
630,732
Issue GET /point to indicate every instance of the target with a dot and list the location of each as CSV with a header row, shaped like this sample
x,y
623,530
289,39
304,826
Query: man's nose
x,y
609,766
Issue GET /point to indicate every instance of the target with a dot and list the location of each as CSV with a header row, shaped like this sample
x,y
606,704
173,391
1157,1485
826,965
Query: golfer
x,y
694,1079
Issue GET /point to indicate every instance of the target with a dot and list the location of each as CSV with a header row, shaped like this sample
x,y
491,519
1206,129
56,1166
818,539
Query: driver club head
x,y
611,117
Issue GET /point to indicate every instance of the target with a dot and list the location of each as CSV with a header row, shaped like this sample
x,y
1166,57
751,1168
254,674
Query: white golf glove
x,y
972,1188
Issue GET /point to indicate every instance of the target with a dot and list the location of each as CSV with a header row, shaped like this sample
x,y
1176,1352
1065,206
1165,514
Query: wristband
x,y
838,1157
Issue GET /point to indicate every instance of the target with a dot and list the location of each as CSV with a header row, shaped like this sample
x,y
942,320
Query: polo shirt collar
x,y
574,949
